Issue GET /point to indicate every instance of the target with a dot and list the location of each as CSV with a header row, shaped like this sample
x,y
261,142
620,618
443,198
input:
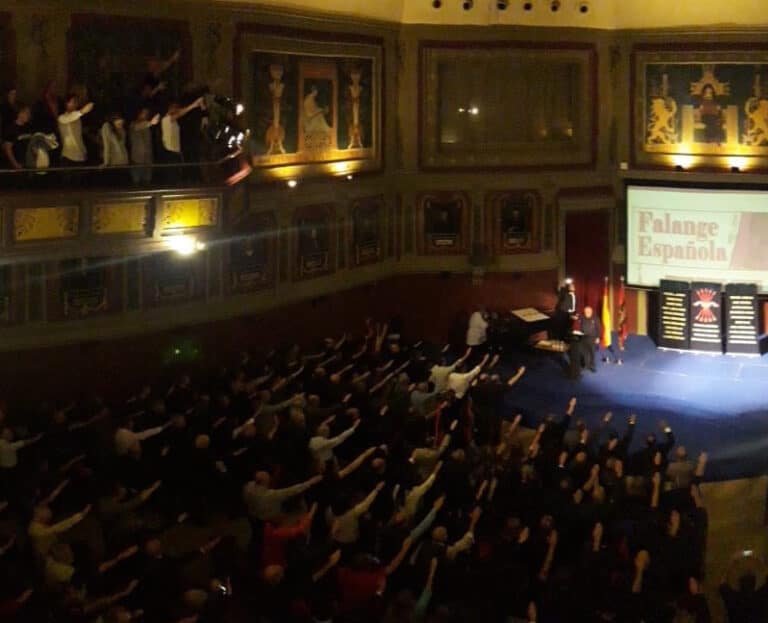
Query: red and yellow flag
x,y
605,319
623,331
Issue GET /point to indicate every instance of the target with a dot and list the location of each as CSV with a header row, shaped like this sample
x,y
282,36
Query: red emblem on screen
x,y
706,303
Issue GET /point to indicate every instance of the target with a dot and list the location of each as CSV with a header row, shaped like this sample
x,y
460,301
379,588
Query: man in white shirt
x,y
460,382
73,150
171,133
478,325
439,373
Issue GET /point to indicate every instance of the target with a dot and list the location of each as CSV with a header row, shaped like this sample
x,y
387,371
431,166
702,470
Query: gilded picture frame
x,y
366,227
513,221
312,99
442,223
695,107
507,105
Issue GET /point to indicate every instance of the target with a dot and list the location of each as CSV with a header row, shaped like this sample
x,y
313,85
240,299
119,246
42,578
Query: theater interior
x,y
397,160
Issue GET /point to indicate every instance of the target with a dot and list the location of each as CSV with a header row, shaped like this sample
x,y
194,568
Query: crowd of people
x,y
117,141
370,478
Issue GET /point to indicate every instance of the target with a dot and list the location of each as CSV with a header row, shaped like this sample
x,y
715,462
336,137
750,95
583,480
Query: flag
x,y
605,319
622,316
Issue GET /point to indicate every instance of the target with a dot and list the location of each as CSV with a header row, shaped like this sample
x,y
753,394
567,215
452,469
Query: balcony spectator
x,y
16,137
114,151
46,113
191,126
141,146
171,136
73,152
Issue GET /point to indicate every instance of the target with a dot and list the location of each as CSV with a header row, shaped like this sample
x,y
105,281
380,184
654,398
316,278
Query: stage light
x,y
737,164
583,7
568,281
683,161
292,183
474,110
554,6
239,108
527,6
502,5
467,4
350,177
436,4
184,245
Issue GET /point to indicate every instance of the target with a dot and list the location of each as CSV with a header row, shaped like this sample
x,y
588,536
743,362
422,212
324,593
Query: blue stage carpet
x,y
717,403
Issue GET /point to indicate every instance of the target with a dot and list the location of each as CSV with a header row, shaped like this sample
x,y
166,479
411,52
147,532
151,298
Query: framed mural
x,y
443,223
314,241
367,227
507,105
83,283
311,98
112,55
513,221
252,253
699,107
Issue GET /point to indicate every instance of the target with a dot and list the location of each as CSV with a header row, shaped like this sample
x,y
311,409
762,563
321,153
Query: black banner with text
x,y
674,328
742,318
706,316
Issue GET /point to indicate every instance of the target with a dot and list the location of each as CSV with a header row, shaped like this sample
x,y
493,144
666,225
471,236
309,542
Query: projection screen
x,y
697,234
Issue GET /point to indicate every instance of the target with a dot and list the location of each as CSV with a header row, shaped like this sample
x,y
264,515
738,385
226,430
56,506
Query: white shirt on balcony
x,y
171,134
71,131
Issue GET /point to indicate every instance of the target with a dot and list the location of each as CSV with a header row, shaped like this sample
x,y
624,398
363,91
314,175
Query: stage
x,y
717,403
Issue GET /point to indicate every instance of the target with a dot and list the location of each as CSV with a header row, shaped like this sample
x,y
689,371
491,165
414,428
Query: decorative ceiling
x,y
605,14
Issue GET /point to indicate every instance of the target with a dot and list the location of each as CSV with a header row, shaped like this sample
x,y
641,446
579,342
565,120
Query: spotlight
x,y
239,108
467,4
583,7
502,5
527,6
350,177
292,183
185,245
554,6
436,4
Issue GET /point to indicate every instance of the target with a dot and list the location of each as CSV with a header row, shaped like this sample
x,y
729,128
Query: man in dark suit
x,y
590,327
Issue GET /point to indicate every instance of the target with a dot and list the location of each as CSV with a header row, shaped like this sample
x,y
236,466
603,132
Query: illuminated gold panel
x,y
45,223
119,217
188,213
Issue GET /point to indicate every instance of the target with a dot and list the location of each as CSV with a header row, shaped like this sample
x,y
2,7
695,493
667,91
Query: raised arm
x,y
420,609
399,557
426,523
363,506
414,496
549,556
351,467
514,379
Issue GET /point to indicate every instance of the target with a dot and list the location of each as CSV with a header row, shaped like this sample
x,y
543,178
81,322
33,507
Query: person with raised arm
x,y
321,445
440,372
43,533
345,527
265,503
460,381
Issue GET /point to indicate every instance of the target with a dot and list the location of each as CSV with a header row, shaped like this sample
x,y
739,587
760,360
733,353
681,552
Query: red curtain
x,y
587,254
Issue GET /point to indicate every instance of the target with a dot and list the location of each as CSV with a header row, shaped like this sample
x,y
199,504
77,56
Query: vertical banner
x,y
742,318
706,316
674,328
